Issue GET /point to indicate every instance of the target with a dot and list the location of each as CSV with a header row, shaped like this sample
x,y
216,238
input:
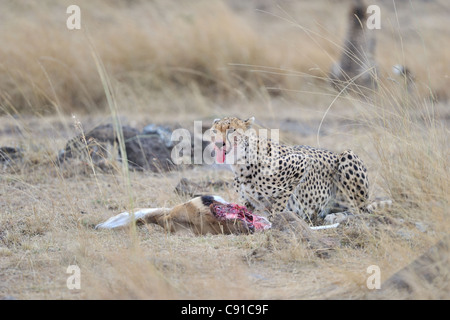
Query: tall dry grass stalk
x,y
412,143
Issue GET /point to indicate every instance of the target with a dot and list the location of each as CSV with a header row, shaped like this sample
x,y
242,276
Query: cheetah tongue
x,y
220,155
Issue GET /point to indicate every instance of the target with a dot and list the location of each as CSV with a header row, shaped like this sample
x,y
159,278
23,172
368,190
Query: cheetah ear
x,y
216,120
249,122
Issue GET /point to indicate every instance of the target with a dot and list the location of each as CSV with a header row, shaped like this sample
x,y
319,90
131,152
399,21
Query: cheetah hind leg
x,y
308,201
352,183
351,189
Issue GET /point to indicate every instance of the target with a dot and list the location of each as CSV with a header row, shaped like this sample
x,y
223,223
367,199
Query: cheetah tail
x,y
149,215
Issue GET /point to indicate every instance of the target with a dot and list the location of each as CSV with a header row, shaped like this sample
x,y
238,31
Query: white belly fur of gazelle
x,y
126,218
194,215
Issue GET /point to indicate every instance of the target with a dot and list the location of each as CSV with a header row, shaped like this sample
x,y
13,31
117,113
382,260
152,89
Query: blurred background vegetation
x,y
164,56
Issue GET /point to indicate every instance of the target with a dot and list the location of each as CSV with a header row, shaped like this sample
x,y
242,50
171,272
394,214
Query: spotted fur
x,y
272,178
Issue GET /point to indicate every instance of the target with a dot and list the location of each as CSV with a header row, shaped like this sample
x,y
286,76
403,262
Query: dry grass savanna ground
x,y
173,62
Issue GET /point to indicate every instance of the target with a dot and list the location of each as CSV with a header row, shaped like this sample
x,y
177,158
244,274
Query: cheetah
x,y
272,178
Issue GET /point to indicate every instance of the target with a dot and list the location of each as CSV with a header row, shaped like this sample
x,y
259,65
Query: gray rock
x,y
144,152
164,133
9,155
148,152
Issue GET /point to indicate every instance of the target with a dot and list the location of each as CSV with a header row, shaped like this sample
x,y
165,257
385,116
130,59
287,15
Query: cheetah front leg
x,y
280,204
239,188
352,188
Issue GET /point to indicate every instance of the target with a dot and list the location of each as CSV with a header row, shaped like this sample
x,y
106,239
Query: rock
x,y
148,152
9,155
97,144
150,149
144,151
288,223
164,133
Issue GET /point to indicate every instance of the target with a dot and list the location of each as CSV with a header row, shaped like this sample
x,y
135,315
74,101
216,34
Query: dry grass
x,y
160,50
170,62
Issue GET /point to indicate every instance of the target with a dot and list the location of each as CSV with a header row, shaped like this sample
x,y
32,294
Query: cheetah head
x,y
227,134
